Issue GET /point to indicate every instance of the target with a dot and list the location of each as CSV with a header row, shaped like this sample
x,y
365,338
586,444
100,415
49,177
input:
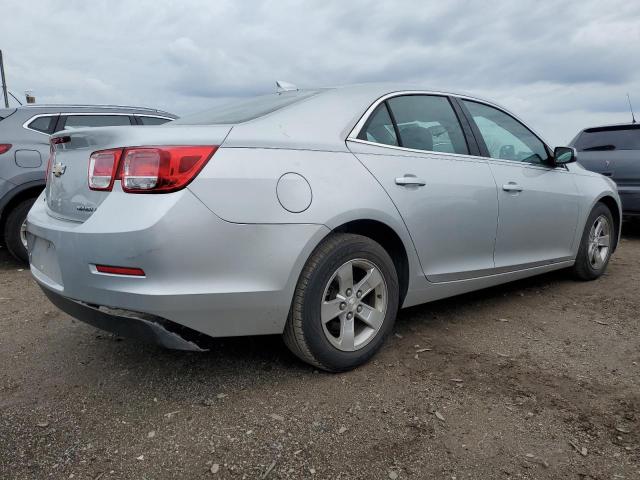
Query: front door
x,y
538,203
415,146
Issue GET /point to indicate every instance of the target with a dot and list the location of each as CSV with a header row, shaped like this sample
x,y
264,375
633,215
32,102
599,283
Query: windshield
x,y
246,109
609,138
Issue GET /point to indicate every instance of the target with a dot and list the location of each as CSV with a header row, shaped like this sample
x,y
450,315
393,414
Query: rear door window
x,y
609,138
428,122
85,121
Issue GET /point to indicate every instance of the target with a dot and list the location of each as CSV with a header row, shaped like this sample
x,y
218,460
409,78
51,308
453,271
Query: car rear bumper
x,y
137,325
201,272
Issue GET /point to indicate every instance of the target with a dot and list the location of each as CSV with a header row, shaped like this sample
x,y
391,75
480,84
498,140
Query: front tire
x,y
597,242
15,230
345,303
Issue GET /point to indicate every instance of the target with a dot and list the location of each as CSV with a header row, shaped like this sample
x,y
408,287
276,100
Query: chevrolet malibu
x,y
315,214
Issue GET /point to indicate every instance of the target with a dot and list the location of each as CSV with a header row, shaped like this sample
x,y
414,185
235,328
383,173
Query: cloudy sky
x,y
560,65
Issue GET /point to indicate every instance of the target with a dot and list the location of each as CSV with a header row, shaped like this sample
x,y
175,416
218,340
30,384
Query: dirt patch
x,y
536,379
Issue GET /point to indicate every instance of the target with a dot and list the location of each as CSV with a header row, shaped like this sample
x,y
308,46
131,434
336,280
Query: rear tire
x,y
345,303
598,240
14,233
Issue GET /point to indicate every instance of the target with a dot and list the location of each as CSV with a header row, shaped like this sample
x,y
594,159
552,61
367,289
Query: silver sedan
x,y
315,214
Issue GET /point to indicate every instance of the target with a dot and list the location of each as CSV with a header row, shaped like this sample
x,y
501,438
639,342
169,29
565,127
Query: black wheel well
x,y
25,194
611,204
389,240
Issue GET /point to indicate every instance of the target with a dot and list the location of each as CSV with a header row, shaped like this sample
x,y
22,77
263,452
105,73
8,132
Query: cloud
x,y
561,66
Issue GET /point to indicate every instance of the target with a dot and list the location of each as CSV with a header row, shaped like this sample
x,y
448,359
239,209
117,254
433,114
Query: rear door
x,y
538,203
416,148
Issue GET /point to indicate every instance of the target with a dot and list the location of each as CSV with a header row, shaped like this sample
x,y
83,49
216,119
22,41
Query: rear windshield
x,y
609,138
5,112
244,110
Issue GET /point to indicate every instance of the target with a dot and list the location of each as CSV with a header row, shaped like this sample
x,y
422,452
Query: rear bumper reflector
x,y
136,272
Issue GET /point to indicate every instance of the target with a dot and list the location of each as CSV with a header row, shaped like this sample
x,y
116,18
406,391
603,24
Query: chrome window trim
x,y
527,164
25,125
66,114
464,156
92,107
468,157
87,114
153,116
355,131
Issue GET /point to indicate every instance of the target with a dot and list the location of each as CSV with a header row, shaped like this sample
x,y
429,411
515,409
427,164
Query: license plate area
x,y
44,261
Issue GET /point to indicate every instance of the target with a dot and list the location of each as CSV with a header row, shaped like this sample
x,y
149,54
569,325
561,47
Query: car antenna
x,y
15,98
633,118
282,86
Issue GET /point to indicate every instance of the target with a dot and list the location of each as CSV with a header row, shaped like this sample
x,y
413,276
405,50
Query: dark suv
x,y
614,151
24,151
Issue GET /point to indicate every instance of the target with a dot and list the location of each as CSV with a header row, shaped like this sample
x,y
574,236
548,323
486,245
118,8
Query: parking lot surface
x,y
535,379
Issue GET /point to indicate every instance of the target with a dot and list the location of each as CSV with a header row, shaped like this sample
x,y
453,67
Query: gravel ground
x,y
536,379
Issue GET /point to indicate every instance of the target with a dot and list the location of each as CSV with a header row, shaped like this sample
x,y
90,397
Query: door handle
x,y
511,187
410,180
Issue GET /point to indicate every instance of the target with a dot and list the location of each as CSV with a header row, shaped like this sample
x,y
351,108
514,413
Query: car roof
x,y
37,108
380,89
613,126
325,120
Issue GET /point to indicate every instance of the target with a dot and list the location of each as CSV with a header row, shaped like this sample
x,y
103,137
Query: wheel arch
x,y
15,196
389,239
614,207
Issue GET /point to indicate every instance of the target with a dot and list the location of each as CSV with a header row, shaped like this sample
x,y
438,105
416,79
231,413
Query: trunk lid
x,y
67,193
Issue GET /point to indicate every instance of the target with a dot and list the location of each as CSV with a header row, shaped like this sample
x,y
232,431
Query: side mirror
x,y
564,155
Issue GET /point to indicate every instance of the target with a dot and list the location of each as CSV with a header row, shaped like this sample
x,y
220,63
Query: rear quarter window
x,y
44,124
609,138
153,120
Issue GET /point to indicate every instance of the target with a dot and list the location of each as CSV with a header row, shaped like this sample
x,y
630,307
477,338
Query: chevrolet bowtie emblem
x,y
58,169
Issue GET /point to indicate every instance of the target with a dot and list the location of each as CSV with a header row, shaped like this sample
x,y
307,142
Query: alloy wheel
x,y
599,242
354,305
23,233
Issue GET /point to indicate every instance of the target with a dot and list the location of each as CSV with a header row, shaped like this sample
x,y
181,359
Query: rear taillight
x,y
4,148
162,169
148,169
102,168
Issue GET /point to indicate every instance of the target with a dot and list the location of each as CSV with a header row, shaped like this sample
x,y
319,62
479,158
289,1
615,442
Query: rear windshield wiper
x,y
599,148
